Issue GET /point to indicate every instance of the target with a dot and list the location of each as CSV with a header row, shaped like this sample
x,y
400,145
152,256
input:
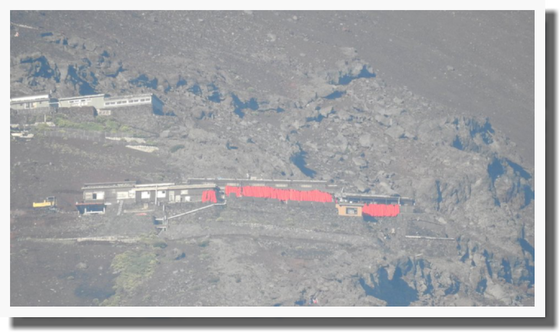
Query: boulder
x,y
360,162
360,185
395,131
365,140
164,134
326,111
383,120
81,266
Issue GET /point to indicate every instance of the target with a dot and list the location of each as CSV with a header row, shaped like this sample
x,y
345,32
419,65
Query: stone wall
x,y
29,115
78,114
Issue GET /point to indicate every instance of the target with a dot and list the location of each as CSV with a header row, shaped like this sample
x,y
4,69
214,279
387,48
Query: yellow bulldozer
x,y
48,203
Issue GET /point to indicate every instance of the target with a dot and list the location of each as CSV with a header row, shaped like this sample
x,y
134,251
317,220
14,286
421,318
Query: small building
x,y
33,102
377,199
111,103
111,192
171,193
349,209
96,101
91,208
129,192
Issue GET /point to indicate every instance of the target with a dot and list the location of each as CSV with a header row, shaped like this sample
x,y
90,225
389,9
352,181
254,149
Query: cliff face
x,y
282,100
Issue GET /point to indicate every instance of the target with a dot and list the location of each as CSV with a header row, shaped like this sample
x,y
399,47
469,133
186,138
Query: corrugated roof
x,y
29,98
257,180
81,97
174,187
108,185
130,96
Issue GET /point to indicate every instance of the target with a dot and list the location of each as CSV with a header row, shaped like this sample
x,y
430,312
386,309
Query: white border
x,y
537,311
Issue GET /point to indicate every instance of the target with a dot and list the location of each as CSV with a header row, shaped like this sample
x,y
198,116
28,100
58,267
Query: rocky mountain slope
x,y
278,95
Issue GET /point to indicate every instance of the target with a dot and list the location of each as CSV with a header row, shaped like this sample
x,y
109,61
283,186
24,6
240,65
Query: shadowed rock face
x,y
387,103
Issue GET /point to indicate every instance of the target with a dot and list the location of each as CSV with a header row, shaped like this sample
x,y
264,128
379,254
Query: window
x,y
351,211
98,195
184,192
161,194
145,195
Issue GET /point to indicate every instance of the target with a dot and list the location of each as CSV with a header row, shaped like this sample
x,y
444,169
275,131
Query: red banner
x,y
209,196
280,194
235,190
381,210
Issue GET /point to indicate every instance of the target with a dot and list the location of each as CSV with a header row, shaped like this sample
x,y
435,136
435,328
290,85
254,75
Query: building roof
x,y
166,184
350,204
30,98
82,97
109,185
143,95
257,180
172,186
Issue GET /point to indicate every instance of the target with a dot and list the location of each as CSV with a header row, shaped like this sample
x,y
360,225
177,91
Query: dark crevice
x,y
116,73
430,287
195,89
144,81
453,288
239,106
215,93
506,271
298,159
317,118
230,147
395,291
485,131
181,82
518,169
81,80
346,79
465,256
481,286
487,258
495,169
335,95
529,195
439,195
457,143
42,68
